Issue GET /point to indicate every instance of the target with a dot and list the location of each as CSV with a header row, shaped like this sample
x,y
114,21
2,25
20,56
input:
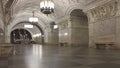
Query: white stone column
x,y
91,35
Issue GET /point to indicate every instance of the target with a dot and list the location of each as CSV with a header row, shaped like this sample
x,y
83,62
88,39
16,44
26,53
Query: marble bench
x,y
6,50
63,44
105,45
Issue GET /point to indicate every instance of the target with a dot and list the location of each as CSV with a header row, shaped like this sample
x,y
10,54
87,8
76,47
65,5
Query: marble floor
x,y
38,56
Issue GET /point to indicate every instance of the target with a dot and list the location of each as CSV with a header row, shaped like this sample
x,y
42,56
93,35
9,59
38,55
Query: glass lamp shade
x,y
47,7
55,26
37,35
33,19
28,26
65,34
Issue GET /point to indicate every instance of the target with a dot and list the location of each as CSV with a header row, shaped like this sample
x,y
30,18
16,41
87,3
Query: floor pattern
x,y
38,56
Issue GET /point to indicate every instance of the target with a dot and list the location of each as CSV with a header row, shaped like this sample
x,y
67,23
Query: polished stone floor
x,y
38,56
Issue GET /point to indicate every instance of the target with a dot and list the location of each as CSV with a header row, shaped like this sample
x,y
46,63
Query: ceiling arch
x,y
26,22
27,6
22,10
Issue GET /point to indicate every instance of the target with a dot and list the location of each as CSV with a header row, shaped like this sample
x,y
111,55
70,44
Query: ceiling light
x,y
65,34
28,26
37,35
33,18
47,7
55,26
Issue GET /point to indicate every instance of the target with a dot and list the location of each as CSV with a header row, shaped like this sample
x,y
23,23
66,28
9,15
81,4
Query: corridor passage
x,y
38,56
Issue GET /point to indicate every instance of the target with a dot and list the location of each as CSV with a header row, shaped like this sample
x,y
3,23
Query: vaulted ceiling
x,y
21,10
24,8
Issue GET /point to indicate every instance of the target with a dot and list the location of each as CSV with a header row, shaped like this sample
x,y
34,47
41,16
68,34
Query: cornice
x,y
94,4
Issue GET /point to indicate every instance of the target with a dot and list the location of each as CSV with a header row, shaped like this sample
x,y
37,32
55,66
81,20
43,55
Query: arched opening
x,y
35,31
79,28
21,36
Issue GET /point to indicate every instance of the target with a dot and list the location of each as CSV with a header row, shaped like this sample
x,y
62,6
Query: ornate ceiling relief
x,y
7,10
4,2
102,12
74,1
89,1
1,12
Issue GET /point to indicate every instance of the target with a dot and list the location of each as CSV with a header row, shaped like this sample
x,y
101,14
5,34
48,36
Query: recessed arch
x,y
80,29
72,8
36,26
44,26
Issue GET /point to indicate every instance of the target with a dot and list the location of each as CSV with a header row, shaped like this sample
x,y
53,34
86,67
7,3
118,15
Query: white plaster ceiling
x,y
21,10
24,8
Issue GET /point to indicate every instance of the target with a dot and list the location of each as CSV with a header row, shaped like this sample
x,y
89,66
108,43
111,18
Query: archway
x,y
21,36
34,31
79,28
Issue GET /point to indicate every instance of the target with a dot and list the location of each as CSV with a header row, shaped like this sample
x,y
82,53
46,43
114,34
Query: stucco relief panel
x,y
102,12
105,28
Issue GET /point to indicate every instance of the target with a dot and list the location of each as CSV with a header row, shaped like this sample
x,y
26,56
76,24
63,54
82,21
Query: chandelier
x,y
33,18
47,7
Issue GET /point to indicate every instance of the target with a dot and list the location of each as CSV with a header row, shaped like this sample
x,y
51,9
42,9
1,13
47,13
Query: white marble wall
x,y
1,23
118,26
1,16
103,24
64,32
53,37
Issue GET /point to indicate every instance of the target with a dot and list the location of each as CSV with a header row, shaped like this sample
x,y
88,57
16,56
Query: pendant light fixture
x,y
47,7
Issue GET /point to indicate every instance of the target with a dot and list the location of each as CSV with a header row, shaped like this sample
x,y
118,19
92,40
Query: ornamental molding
x,y
104,11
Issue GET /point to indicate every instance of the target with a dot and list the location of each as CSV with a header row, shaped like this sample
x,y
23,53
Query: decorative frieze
x,y
89,1
102,12
4,2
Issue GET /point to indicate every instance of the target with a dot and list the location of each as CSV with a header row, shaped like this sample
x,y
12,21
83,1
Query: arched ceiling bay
x,y
24,8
